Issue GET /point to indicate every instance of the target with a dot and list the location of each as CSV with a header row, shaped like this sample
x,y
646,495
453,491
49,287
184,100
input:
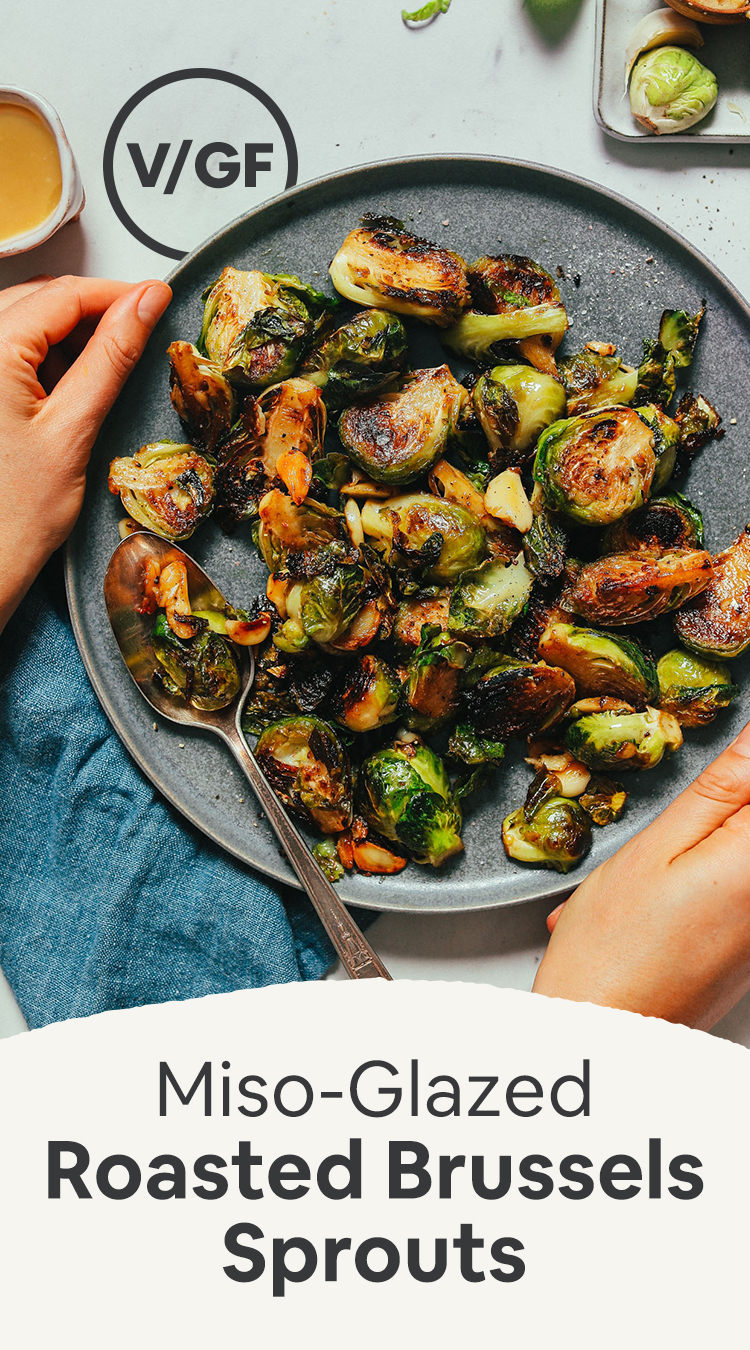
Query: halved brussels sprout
x,y
666,440
383,265
426,607
432,689
404,793
322,609
699,423
601,663
557,834
398,436
513,404
594,379
666,523
359,358
200,395
487,600
671,90
672,350
545,546
513,299
598,467
167,487
257,326
540,613
623,740
308,769
286,529
202,670
515,698
366,695
693,689
468,746
604,800
717,624
435,534
630,587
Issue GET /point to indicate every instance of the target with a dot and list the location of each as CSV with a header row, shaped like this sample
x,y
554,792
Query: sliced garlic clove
x,y
506,500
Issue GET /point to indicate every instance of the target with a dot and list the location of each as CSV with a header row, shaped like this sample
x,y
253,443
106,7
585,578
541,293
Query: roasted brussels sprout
x,y
327,858
604,800
308,769
672,350
513,299
202,670
693,689
671,90
487,600
366,695
468,746
202,398
601,663
294,427
539,614
358,359
513,404
426,607
623,740
545,546
405,794
595,379
630,587
432,689
285,528
321,610
557,834
666,523
515,698
717,624
257,326
666,440
382,264
598,467
167,487
430,533
699,423
398,436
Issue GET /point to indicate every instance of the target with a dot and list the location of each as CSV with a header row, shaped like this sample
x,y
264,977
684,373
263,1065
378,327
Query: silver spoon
x,y
123,592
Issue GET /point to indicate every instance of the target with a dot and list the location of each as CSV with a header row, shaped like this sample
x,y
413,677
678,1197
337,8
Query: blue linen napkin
x,y
108,898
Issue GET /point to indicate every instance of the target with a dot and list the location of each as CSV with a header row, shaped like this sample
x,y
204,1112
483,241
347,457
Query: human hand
x,y
67,346
663,927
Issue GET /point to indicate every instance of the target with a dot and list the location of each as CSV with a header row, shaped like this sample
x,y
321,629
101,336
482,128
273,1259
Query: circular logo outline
x,y
194,73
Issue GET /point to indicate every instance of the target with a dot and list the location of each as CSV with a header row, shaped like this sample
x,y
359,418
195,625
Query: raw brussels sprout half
x,y
601,663
671,90
694,689
516,698
623,740
433,534
167,487
556,835
598,467
486,600
366,695
665,523
717,624
631,587
595,380
381,264
398,436
202,398
308,769
404,793
256,326
432,688
358,359
513,404
202,670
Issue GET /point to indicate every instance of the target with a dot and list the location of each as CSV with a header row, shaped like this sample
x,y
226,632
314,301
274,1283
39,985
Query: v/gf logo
x,y
186,152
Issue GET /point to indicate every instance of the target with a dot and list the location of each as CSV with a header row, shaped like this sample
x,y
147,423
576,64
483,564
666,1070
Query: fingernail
x,y
742,742
153,303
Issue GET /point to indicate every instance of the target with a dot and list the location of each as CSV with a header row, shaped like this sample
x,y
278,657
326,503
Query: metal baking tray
x,y
726,52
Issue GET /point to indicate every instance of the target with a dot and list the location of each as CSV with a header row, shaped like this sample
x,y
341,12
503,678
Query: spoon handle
x,y
353,949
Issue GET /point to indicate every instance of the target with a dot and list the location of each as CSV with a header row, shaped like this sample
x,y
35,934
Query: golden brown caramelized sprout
x,y
169,488
630,587
598,467
396,437
203,400
381,264
717,624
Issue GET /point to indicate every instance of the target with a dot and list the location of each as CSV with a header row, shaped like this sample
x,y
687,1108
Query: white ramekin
x,y
72,197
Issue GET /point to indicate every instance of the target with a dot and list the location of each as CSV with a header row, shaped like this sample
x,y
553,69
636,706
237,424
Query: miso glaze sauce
x,y
30,171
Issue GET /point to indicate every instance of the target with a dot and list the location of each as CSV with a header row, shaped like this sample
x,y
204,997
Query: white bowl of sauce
x,y
40,187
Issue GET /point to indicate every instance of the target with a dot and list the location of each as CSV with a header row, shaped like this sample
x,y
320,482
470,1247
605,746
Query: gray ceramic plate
x,y
621,267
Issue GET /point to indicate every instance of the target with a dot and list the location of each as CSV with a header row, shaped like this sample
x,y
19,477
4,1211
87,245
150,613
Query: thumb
x,y
719,792
85,394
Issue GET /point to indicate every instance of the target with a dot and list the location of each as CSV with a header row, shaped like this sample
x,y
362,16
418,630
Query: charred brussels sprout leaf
x,y
514,299
432,689
398,436
557,835
308,769
169,488
545,547
601,663
694,689
662,356
515,698
468,746
487,600
434,535
604,800
717,624
513,404
623,740
666,523
593,380
405,794
381,264
699,423
202,398
598,467
630,587
202,670
366,695
358,359
256,326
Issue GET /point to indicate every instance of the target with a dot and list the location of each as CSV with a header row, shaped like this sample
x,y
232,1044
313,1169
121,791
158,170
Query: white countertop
x,y
356,86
